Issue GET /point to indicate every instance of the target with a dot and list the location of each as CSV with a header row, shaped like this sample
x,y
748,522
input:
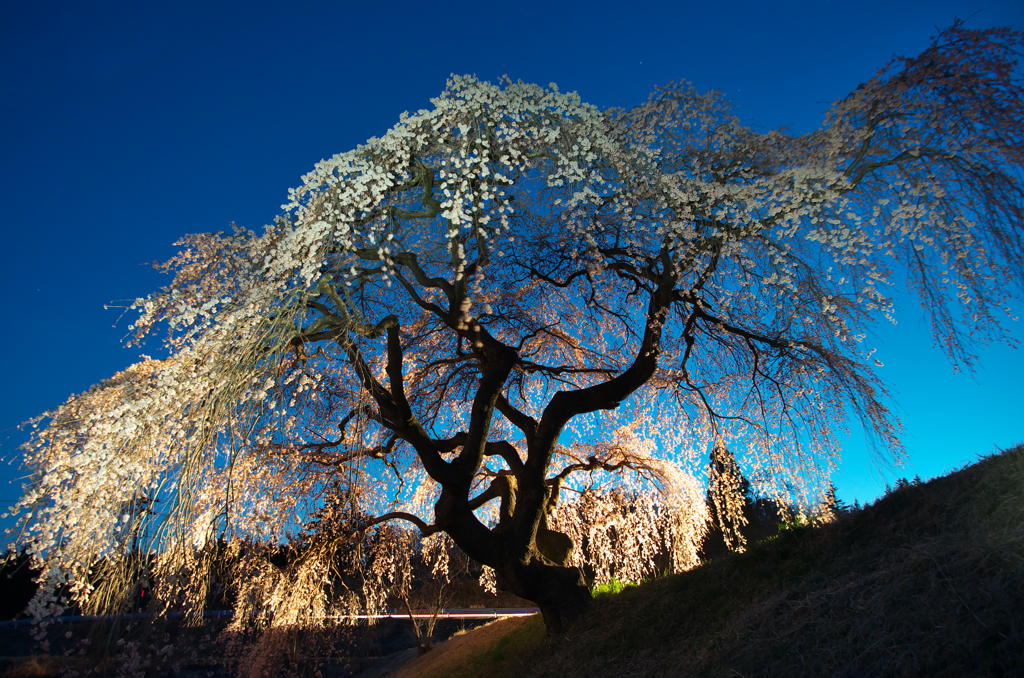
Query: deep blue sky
x,y
124,125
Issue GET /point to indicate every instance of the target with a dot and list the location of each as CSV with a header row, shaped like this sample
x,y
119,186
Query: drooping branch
x,y
530,366
383,398
607,395
422,176
316,452
425,529
508,452
783,345
493,375
521,420
592,464
503,485
439,283
407,427
395,376
451,444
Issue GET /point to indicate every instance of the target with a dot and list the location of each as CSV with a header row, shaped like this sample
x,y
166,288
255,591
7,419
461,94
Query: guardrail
x,y
455,613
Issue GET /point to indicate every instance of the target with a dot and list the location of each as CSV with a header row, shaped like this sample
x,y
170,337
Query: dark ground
x,y
196,655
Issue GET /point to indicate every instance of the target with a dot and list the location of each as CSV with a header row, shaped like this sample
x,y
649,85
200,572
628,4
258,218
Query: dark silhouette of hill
x,y
927,581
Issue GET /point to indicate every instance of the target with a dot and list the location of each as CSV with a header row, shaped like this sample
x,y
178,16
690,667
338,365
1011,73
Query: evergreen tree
x,y
728,494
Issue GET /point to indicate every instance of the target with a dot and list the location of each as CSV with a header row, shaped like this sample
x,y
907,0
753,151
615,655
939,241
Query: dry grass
x,y
927,581
478,652
36,665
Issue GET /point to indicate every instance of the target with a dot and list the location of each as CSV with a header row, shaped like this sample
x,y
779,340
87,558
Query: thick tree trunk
x,y
565,598
560,592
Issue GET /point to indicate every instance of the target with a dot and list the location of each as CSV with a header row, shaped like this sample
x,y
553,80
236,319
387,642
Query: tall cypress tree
x,y
728,494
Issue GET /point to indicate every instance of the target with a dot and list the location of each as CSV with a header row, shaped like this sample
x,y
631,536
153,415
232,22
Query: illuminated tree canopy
x,y
513,302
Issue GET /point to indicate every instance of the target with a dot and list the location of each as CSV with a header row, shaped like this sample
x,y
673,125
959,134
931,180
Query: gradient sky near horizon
x,y
125,125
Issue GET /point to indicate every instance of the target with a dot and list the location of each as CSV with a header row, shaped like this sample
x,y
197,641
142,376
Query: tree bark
x,y
560,592
529,567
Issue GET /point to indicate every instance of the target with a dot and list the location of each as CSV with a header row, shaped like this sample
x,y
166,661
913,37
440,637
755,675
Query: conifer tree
x,y
728,496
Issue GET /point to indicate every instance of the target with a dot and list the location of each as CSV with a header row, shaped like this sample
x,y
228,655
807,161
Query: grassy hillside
x,y
928,580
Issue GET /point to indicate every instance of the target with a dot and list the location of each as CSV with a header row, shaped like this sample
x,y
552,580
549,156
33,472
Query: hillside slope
x,y
929,581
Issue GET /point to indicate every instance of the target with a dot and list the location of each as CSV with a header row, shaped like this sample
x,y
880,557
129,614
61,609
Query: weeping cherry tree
x,y
513,300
